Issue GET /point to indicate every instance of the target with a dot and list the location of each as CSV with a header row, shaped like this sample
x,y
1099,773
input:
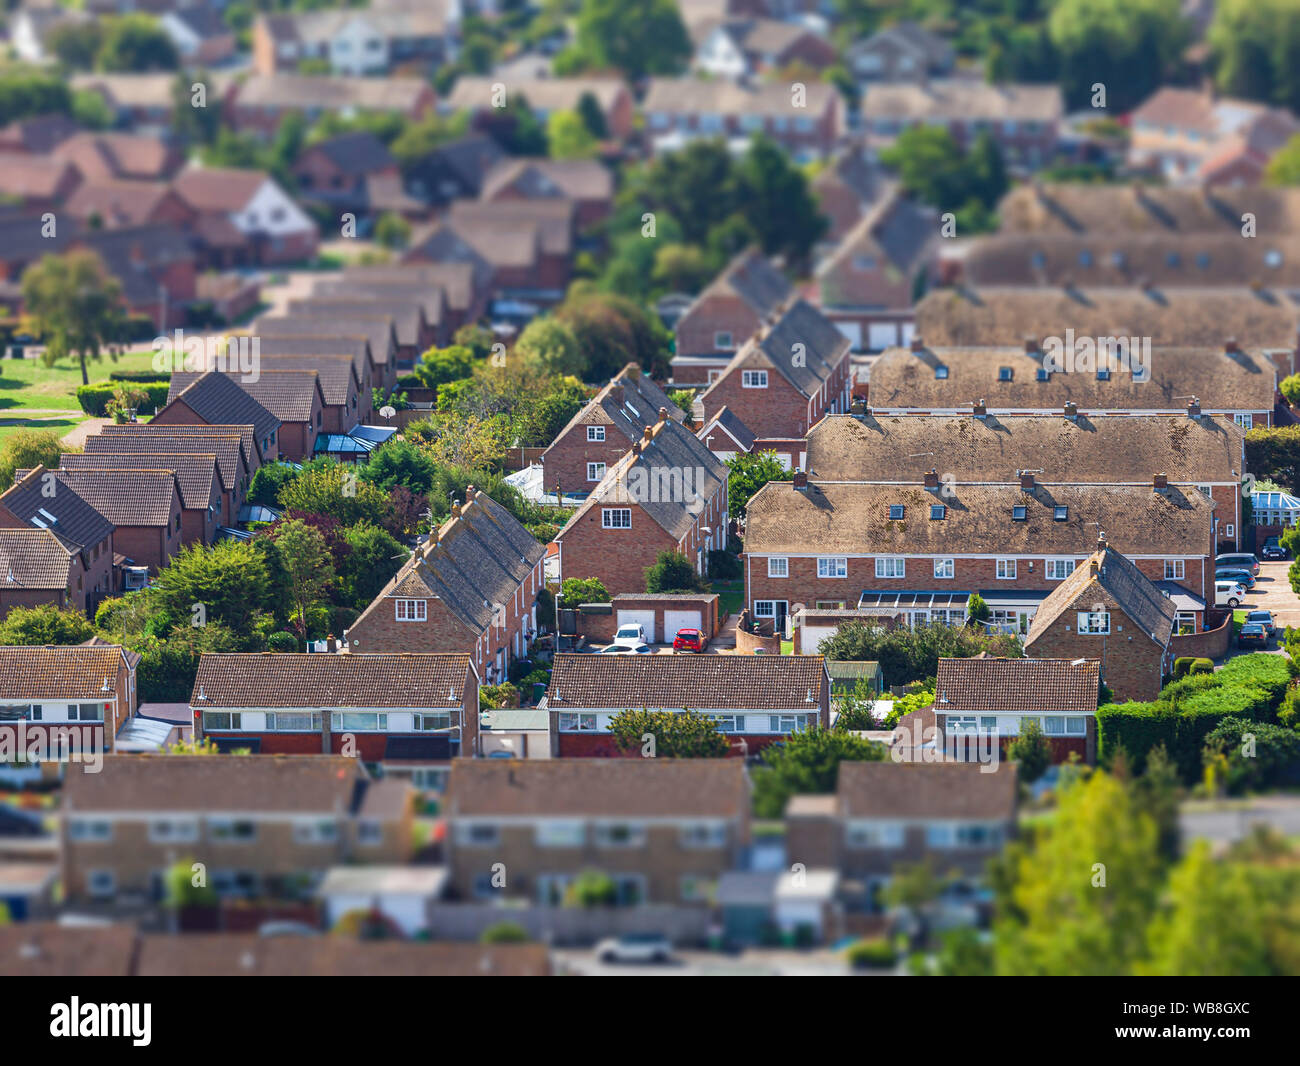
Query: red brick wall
x,y
601,745
718,313
1208,644
779,410
565,461
600,628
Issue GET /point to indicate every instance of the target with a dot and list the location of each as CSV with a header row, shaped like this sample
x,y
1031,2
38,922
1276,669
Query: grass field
x,y
9,426
30,385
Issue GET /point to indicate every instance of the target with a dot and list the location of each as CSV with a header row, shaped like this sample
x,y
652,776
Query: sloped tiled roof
x,y
32,176
195,472
961,99
578,179
821,345
219,188
358,152
33,559
897,231
331,92
126,497
925,790
48,949
77,523
405,313
75,672
428,295
729,421
988,685
356,680
472,93
480,222
377,328
1137,595
219,401
698,682
229,444
287,394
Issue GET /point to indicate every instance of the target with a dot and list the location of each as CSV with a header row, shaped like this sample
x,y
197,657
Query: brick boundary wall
x,y
1208,644
748,642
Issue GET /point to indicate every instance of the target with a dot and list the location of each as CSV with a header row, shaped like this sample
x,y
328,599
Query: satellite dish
x,y
387,412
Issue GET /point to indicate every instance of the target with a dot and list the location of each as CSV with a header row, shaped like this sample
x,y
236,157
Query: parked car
x,y
630,634
626,649
1272,551
1228,594
1230,573
1237,561
1264,618
1252,634
690,640
635,947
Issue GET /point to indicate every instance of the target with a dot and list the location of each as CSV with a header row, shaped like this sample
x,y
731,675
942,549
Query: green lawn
x,y
10,426
28,384
731,596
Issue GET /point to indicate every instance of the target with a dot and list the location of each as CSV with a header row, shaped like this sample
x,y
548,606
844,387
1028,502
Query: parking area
x,y
1272,592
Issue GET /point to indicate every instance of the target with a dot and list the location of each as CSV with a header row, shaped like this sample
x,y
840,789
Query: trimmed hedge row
x,y
139,375
94,399
1187,664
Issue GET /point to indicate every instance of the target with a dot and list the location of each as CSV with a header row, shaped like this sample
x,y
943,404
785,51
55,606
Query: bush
x,y
1202,666
282,642
1289,713
724,566
1176,692
1257,755
502,695
139,375
1136,727
94,399
1270,673
1182,665
872,954
504,933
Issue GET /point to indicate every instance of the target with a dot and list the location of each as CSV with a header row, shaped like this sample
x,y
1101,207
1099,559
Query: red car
x,y
689,640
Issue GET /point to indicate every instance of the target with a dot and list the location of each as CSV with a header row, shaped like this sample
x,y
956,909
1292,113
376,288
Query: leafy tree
x,y
392,230
698,186
438,366
808,762
778,203
634,37
913,654
1127,45
74,304
856,711
1284,169
1156,790
749,472
375,557
471,443
551,346
613,331
514,127
227,579
962,953
683,267
592,116
27,449
1273,452
673,572
683,734
89,109
420,139
400,462
193,125
504,933
577,590
76,44
307,565
204,746
268,481
567,136
1255,46
135,44
45,624
591,888
184,886
338,492
24,93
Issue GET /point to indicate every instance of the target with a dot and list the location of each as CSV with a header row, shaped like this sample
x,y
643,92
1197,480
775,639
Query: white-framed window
x,y
595,433
783,723
730,723
1229,530
358,722
891,566
1057,725
753,379
232,830
1076,726
173,830
616,518
560,834
293,721
573,722
95,829
432,723
778,566
411,610
1246,421
620,835
944,568
1006,569
765,608
85,712
1175,569
832,566
370,832
221,720
874,834
595,471
1094,622
704,835
315,832
723,340
1059,569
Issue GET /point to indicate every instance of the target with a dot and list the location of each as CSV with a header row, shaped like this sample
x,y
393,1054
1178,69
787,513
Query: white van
x,y
1228,594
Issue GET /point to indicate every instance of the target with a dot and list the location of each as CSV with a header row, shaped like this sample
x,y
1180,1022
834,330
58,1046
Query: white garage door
x,y
881,335
646,618
675,620
811,636
852,330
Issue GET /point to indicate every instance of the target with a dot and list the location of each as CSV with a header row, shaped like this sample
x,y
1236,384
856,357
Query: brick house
x,y
405,711
918,552
478,96
985,696
275,228
455,170
928,379
743,48
1109,610
215,399
884,815
756,699
1205,452
601,433
668,493
726,436
294,397
84,694
36,568
846,189
39,501
197,480
143,505
258,104
530,243
866,285
471,588
905,51
121,156
664,830
375,327
37,182
111,204
414,332
465,284
338,171
587,182
270,827
430,298
418,38
787,378
747,295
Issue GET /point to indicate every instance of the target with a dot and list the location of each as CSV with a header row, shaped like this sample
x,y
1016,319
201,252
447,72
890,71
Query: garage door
x,y
675,620
646,618
852,330
881,335
811,636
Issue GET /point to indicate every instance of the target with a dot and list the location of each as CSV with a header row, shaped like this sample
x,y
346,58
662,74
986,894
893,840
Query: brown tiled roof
x,y
377,329
331,92
989,685
76,522
578,179
320,680
102,156
699,682
72,673
472,93
326,784
854,519
1107,449
901,378
357,152
751,276
429,296
1138,597
228,443
34,176
598,787
219,188
457,280
405,313
689,95
247,954
48,949
130,497
919,790
485,224
117,203
1172,318
337,373
33,559
962,99
195,472
287,394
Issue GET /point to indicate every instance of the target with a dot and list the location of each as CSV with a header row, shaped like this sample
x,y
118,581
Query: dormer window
x,y
1061,514
940,373
895,512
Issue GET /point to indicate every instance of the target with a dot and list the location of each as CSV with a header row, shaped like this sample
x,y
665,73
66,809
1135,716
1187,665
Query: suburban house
x,y
37,182
668,493
479,96
434,318
466,285
38,134
144,507
470,588
145,102
867,284
1023,119
601,433
346,172
994,697
785,379
39,502
1205,452
402,711
120,156
846,189
267,827
742,48
275,228
373,326
726,436
756,700
1190,136
749,294
259,103
200,34
128,203
293,397
663,830
417,38
587,182
345,404
1110,610
36,567
805,119
905,51
76,696
1105,378
455,170
917,553
886,815
217,400
414,332
530,243
156,265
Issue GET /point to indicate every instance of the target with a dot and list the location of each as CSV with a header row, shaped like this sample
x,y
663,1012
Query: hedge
x,y
1186,665
1274,761
1138,727
1176,692
1271,673
139,375
94,399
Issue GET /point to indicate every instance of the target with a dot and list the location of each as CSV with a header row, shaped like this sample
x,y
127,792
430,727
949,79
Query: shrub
x,y
1202,666
1136,728
502,695
1228,701
504,933
724,566
1257,755
1176,692
1270,673
872,954
282,642
139,375
1181,665
1289,713
94,399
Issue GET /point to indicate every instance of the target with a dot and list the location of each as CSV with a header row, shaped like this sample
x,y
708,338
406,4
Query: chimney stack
x,y
663,414
917,345
469,493
858,408
1231,347
1094,564
1160,482
1101,541
980,409
932,478
616,393
455,509
1071,410
1026,480
800,480
647,435
1194,407
1031,345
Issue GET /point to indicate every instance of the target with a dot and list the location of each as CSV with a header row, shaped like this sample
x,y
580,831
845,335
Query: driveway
x,y
1272,592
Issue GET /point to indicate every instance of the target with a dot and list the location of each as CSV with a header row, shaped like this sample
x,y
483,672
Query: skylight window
x,y
1019,513
940,372
937,511
895,512
1044,374
1004,373
1061,514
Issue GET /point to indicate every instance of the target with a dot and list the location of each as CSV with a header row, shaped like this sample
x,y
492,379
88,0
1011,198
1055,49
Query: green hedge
x,y
1176,692
139,375
94,399
1271,673
1138,727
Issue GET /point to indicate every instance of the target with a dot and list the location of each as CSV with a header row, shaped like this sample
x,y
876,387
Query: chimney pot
x,y
800,479
1161,482
1026,480
1194,407
663,414
469,493
1101,541
1071,410
647,433
932,478
455,509
1230,346
917,345
980,409
1031,345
